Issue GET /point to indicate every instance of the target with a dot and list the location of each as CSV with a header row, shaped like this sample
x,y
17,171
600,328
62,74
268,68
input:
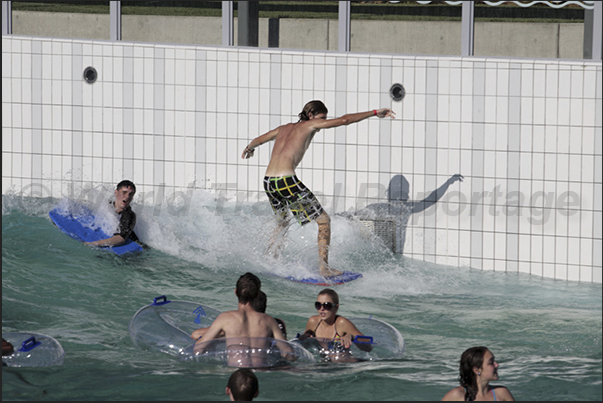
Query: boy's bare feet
x,y
327,271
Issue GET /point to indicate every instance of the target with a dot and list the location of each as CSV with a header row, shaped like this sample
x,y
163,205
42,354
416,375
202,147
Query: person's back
x,y
245,323
290,146
249,334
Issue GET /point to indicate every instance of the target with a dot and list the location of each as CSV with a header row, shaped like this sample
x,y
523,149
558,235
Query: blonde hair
x,y
332,294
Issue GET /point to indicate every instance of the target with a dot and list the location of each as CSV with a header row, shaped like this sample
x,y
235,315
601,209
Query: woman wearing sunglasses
x,y
327,325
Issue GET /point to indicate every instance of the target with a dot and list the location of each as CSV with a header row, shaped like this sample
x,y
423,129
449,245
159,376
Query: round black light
x,y
90,75
397,92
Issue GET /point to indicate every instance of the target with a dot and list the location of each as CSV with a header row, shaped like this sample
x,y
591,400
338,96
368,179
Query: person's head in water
x,y
477,363
260,303
327,304
313,107
332,294
248,288
242,385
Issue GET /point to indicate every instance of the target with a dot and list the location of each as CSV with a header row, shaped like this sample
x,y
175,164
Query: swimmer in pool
x,y
245,324
242,385
283,188
259,304
7,348
328,325
124,193
477,369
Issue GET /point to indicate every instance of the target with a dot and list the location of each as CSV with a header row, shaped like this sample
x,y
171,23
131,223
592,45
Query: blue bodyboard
x,y
82,227
346,277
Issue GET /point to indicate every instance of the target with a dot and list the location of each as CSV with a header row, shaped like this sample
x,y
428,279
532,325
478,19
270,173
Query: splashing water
x,y
546,334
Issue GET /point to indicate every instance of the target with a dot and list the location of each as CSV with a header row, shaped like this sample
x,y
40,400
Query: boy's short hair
x,y
126,184
260,303
243,385
248,288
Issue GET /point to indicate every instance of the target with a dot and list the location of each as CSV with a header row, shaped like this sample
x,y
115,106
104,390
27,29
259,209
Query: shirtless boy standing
x,y
284,189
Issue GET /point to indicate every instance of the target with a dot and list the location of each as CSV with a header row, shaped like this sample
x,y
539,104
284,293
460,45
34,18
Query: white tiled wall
x,y
525,134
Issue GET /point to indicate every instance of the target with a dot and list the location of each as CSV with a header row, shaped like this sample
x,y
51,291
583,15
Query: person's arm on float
x,y
350,332
213,332
197,334
127,222
115,240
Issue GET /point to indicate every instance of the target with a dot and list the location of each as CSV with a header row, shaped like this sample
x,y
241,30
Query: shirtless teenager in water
x,y
245,326
284,189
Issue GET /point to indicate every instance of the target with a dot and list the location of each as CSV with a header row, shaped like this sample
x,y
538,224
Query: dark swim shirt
x,y
127,222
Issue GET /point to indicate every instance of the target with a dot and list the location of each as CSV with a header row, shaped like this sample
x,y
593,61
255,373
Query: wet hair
x,y
313,107
243,384
260,302
248,288
126,184
471,358
332,294
281,325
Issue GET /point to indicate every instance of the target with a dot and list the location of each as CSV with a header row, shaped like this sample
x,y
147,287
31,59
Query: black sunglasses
x,y
326,305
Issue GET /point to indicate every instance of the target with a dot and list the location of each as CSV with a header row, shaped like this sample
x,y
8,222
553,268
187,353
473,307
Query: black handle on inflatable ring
x,y
157,300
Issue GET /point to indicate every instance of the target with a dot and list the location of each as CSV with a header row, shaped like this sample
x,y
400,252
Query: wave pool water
x,y
546,334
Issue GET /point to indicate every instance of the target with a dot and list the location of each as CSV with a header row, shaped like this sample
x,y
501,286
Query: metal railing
x,y
593,30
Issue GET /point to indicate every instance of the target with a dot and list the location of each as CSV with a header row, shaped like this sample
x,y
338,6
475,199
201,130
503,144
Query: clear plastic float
x,y
32,350
381,341
166,326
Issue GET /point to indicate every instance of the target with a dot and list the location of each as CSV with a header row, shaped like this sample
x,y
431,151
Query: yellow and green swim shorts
x,y
288,192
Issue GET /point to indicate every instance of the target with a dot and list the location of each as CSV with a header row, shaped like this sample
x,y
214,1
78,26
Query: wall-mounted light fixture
x,y
90,75
397,92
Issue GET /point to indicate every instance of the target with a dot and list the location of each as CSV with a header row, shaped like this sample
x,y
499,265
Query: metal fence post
x,y
597,31
7,18
248,12
344,26
115,17
467,30
228,23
